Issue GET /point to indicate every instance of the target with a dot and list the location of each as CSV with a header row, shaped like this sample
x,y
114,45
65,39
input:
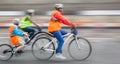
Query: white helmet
x,y
58,6
30,11
16,20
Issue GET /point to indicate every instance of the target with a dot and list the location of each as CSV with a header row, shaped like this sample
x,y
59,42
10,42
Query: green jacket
x,y
25,22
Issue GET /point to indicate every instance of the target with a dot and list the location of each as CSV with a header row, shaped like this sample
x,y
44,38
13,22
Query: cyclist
x,y
26,22
54,27
15,34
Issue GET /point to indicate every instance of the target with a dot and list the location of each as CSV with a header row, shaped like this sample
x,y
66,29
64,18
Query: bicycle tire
x,y
77,54
5,52
39,34
43,34
40,53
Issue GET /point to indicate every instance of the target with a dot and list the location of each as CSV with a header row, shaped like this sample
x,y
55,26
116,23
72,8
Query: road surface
x,y
105,44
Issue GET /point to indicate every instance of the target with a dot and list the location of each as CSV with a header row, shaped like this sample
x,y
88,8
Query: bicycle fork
x,y
77,42
46,47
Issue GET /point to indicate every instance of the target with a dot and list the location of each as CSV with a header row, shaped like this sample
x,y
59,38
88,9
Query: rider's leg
x,y
63,32
58,35
21,45
30,30
60,39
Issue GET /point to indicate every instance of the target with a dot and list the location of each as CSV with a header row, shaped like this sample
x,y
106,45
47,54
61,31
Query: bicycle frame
x,y
29,41
68,35
35,35
46,46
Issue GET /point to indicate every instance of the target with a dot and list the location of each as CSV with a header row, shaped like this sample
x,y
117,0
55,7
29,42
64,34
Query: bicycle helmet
x,y
30,11
58,6
16,21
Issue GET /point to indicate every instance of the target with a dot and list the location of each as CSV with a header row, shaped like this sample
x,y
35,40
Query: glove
x,y
39,29
74,30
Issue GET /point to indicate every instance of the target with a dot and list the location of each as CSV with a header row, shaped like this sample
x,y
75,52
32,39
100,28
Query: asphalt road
x,y
105,44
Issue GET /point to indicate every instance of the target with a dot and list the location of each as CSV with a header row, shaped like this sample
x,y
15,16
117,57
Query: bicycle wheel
x,y
43,34
80,49
38,50
5,52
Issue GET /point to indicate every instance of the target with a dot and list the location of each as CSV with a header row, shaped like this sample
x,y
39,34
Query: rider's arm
x,y
32,22
18,32
62,19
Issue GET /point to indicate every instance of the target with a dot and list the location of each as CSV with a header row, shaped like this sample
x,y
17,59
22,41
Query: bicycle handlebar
x,y
74,30
26,37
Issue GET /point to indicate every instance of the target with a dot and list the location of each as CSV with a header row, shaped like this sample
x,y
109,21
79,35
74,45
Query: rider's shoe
x,y
16,53
20,51
60,56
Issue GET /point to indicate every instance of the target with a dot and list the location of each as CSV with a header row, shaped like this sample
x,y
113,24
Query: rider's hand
x,y
39,29
25,34
74,30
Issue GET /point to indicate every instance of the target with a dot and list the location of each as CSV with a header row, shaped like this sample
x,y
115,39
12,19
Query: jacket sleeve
x,y
18,32
62,19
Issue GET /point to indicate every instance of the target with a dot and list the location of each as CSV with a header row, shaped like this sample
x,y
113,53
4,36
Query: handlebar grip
x,y
39,29
26,37
74,30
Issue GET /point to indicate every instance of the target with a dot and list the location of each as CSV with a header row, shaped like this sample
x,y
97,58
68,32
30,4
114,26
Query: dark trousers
x,y
30,31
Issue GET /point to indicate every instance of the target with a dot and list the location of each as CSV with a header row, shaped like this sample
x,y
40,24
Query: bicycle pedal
x,y
20,51
50,50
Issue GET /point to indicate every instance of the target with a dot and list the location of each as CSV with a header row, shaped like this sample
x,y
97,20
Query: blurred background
x,y
98,21
84,13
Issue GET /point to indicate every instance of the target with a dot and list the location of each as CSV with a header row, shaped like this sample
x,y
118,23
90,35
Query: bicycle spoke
x,y
80,49
40,50
5,52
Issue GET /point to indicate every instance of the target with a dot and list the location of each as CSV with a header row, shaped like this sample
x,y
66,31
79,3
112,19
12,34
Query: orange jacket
x,y
15,35
56,20
11,31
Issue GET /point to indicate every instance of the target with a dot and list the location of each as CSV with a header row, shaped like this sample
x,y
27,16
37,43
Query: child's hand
x,y
25,34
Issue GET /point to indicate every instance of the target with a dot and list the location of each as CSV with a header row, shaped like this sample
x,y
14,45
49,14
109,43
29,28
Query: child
x,y
15,34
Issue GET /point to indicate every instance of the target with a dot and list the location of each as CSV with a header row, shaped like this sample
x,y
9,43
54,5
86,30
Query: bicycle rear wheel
x,y
5,52
38,50
80,49
43,34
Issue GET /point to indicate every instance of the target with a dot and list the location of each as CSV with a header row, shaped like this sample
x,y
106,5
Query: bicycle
x,y
79,48
6,50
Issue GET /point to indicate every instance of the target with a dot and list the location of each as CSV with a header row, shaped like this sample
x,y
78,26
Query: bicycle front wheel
x,y
39,50
79,49
5,52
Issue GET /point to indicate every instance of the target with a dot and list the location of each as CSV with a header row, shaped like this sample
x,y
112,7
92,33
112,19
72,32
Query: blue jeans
x,y
58,34
30,31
